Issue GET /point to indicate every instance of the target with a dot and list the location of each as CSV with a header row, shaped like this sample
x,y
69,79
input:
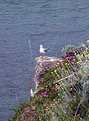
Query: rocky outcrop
x,y
43,63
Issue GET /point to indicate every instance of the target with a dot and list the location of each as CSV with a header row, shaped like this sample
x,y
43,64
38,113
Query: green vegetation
x,y
63,93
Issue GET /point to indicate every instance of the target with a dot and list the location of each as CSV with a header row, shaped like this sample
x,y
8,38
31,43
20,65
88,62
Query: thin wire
x,y
31,58
30,50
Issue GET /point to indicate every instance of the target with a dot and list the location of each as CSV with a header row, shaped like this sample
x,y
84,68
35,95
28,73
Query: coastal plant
x,y
63,92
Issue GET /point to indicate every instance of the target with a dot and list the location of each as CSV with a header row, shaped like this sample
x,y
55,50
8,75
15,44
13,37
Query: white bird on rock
x,y
43,50
32,93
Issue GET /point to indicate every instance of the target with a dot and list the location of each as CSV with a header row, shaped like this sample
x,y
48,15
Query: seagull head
x,y
41,46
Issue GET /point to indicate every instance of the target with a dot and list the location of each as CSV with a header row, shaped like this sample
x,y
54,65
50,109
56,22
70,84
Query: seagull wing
x,y
46,49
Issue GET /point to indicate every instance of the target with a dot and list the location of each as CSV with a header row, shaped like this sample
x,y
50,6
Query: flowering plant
x,y
61,93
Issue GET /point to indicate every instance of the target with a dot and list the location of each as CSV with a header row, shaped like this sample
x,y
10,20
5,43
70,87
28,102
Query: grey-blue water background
x,y
53,23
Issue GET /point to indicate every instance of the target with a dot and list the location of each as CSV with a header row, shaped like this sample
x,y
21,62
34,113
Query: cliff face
x,y
62,89
44,63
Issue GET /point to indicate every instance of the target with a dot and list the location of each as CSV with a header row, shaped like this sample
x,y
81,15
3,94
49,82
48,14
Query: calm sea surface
x,y
53,23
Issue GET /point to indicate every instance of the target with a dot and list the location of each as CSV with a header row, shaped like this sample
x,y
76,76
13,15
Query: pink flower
x,y
44,94
27,110
53,90
70,57
34,113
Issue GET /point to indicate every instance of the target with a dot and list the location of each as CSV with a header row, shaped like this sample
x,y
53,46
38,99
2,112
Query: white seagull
x,y
32,93
88,41
43,50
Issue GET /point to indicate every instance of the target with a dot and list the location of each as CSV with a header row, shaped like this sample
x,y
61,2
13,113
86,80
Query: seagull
x,y
32,93
87,41
43,50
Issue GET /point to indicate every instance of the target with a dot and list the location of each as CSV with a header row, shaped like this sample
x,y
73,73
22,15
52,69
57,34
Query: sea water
x,y
53,23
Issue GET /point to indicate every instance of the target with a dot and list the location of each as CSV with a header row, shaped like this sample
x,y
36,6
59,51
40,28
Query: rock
x,y
42,64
